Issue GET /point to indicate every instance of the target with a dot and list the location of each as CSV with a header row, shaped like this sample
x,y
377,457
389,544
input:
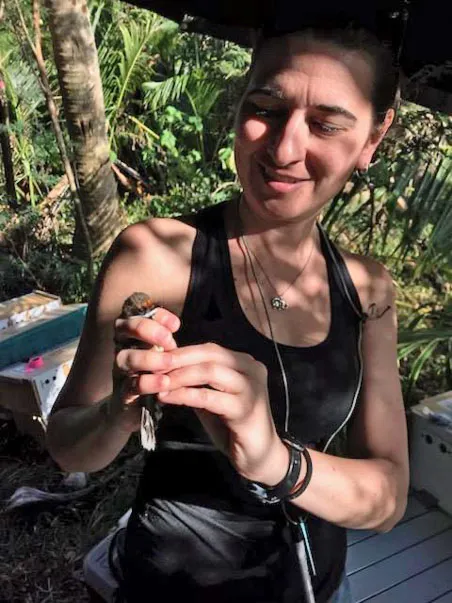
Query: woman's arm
x,y
88,427
370,489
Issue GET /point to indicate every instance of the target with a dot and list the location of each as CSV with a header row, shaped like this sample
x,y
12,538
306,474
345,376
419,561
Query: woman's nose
x,y
288,141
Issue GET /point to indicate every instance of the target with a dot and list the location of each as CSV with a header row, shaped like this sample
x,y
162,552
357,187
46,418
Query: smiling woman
x,y
283,421
315,109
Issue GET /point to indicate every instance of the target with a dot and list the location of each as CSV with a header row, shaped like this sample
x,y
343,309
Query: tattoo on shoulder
x,y
374,312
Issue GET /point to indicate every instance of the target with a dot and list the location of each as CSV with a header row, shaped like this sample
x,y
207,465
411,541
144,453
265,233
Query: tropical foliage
x,y
169,101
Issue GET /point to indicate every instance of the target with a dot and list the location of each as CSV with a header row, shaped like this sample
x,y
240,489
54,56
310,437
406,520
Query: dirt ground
x,y
42,547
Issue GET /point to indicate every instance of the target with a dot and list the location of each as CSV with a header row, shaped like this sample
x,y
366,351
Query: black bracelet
x,y
305,483
272,495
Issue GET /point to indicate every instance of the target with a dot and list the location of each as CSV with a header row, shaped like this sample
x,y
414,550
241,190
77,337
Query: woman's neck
x,y
278,240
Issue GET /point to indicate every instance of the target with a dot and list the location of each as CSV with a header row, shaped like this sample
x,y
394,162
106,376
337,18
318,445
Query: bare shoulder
x,y
154,256
373,283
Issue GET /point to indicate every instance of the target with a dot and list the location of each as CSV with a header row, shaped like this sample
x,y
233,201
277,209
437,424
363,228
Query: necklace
x,y
248,254
272,336
305,554
277,302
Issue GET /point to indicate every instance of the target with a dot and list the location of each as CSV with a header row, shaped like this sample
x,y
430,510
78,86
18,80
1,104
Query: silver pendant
x,y
278,303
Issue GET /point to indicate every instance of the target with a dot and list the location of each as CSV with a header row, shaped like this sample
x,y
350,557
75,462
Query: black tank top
x,y
194,528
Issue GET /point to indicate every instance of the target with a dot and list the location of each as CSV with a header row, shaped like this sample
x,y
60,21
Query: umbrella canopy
x,y
419,31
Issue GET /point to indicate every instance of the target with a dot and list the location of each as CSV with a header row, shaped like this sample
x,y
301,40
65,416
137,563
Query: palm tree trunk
x,y
81,88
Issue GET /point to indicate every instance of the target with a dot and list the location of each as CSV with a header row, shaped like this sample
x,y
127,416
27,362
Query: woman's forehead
x,y
295,67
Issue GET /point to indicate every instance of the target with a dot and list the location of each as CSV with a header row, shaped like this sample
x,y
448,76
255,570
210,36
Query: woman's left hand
x,y
229,393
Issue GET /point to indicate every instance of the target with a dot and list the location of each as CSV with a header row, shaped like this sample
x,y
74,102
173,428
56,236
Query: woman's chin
x,y
290,206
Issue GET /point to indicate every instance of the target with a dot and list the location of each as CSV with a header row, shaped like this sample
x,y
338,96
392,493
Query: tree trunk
x,y
81,88
5,146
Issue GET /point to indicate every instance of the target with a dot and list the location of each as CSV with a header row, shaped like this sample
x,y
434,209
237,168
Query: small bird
x,y
141,304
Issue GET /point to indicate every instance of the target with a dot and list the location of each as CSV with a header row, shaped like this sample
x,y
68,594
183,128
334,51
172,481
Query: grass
x,y
42,549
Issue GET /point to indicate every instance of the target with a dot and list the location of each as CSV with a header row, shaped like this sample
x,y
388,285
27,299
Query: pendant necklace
x,y
278,302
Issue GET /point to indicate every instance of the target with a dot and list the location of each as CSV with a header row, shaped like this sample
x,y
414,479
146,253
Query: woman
x,y
279,333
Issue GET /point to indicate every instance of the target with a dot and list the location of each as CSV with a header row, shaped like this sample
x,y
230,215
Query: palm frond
x,y
95,14
421,337
23,88
168,91
426,353
139,38
203,95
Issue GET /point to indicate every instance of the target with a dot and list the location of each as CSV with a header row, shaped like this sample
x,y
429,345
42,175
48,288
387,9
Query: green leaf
x,y
418,364
168,140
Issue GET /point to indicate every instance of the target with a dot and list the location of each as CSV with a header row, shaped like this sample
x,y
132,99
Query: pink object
x,y
34,363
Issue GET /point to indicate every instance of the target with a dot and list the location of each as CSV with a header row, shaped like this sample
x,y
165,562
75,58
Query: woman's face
x,y
304,124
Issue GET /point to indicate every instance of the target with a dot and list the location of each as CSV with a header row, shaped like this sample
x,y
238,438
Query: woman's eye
x,y
266,112
325,128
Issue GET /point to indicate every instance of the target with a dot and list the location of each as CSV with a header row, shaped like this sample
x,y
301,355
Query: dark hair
x,y
386,88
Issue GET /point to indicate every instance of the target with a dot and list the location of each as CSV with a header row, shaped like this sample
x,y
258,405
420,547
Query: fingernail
x,y
163,394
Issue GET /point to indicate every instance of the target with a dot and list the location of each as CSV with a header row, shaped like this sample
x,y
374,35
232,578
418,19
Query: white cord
x,y
306,553
275,345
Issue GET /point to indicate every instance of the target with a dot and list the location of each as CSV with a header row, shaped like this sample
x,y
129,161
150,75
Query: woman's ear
x,y
376,136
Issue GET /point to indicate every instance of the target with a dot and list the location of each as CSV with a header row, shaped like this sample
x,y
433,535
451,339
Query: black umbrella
x,y
419,30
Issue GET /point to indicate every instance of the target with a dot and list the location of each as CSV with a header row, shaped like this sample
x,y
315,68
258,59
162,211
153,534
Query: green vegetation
x,y
169,102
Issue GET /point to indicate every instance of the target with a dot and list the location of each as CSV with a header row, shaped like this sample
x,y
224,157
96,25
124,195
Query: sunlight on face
x,y
304,122
255,128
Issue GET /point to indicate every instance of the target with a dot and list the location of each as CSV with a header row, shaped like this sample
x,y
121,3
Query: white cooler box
x,y
96,570
431,448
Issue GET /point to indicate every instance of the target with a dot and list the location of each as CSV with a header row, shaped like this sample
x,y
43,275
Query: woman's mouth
x,y
280,183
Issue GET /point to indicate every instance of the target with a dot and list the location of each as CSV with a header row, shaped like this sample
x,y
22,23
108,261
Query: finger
x,y
217,376
167,319
138,361
211,352
223,404
134,386
145,330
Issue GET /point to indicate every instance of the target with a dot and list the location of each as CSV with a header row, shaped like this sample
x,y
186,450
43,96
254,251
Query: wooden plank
x,y
389,572
404,535
414,508
423,588
355,536
446,598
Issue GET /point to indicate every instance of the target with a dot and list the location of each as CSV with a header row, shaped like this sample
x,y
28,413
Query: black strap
x,y
342,274
200,284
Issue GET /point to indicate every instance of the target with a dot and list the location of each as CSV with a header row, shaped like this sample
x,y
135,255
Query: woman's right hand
x,y
138,368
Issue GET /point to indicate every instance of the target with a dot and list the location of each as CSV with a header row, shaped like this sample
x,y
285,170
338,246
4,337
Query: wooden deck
x,y
410,564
